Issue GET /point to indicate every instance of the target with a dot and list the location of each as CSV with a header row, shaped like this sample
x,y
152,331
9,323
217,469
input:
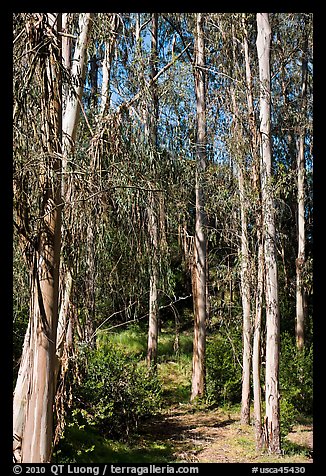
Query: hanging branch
x,y
127,104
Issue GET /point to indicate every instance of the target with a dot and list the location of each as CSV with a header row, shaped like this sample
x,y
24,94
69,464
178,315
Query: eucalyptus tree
x,y
245,281
301,226
292,140
259,284
40,63
110,42
200,241
272,418
74,61
229,68
152,209
67,119
140,109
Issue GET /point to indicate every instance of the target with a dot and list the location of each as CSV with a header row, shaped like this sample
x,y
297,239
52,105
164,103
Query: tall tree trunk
x,y
72,99
36,438
256,344
246,311
152,210
153,284
68,126
244,258
200,248
272,417
300,261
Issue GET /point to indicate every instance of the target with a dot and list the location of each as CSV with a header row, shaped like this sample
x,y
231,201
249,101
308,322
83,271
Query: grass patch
x,y
174,367
167,350
131,341
176,382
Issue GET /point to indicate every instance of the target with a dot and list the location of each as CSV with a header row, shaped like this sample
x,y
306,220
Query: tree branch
x,y
127,104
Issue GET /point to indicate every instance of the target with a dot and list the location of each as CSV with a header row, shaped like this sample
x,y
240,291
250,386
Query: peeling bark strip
x,y
199,266
33,420
272,418
54,95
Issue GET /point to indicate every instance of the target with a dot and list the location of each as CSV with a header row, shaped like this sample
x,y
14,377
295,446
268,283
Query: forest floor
x,y
185,433
182,432
202,434
217,436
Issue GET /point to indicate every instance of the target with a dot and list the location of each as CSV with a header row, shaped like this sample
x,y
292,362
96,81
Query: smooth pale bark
x,y
244,260
256,344
246,308
72,97
72,101
244,275
200,248
66,287
272,416
301,257
153,209
39,357
66,41
153,285
256,347
20,396
300,297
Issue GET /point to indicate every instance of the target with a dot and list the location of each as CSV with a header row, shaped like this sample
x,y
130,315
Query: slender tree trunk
x,y
72,102
200,247
256,345
20,396
90,285
65,291
245,296
152,211
300,261
153,285
272,418
244,258
256,364
76,67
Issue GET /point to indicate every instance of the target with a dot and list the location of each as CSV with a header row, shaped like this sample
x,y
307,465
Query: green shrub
x,y
296,382
116,392
223,371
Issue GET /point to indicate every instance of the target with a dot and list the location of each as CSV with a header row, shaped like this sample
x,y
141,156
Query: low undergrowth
x,y
118,398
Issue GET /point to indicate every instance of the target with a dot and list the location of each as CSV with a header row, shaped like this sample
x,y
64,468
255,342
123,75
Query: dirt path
x,y
216,436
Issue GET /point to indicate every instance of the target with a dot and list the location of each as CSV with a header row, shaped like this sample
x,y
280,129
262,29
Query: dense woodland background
x,y
138,169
